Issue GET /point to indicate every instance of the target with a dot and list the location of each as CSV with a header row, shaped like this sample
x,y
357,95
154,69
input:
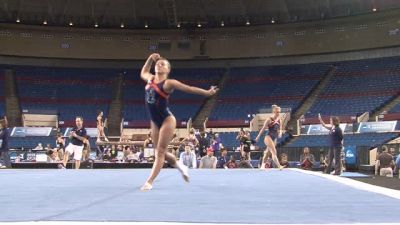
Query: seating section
x,y
183,105
250,89
358,87
72,92
395,109
365,139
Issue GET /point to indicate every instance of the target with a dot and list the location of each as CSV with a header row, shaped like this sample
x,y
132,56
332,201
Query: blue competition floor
x,y
213,196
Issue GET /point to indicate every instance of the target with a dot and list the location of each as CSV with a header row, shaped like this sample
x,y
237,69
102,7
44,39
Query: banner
x,y
350,155
318,129
382,126
31,131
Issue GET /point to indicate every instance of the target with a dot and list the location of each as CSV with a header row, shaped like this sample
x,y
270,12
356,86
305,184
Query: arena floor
x,y
238,196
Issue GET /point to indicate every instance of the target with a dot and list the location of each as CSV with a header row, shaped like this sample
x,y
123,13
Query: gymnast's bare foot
x,y
146,187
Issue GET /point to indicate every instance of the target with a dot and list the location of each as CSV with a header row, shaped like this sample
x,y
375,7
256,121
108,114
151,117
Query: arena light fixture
x,y
178,25
374,9
122,25
272,20
146,25
18,20
248,23
222,23
96,25
198,24
71,23
45,22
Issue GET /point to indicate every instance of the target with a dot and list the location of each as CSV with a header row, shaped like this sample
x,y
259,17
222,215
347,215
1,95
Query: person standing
x,y
336,143
77,139
163,123
4,148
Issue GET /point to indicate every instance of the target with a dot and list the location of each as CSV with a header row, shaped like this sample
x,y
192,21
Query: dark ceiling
x,y
136,14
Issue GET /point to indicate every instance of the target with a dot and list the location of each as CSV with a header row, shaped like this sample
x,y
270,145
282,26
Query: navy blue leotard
x,y
273,129
157,102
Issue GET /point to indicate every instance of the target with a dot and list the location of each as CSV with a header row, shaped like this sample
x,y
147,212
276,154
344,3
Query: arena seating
x,y
358,87
71,92
183,105
252,88
365,139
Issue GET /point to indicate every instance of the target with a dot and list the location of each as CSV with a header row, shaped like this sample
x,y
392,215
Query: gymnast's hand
x,y
155,56
257,138
213,90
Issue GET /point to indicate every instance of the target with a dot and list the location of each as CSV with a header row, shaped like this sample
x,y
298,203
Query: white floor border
x,y
355,184
169,223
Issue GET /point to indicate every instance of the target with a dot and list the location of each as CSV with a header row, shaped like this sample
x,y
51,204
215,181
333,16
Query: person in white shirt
x,y
188,157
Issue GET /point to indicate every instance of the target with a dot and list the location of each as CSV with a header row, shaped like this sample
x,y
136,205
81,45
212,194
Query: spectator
x,y
141,155
216,143
208,161
245,144
52,156
191,141
232,163
148,143
392,152
284,160
307,159
245,163
204,143
4,149
268,162
175,148
60,143
384,163
188,158
131,156
223,159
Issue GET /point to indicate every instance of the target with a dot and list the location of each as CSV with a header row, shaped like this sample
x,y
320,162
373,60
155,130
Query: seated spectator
x,y
384,163
132,156
52,156
231,163
284,160
268,162
307,159
188,158
209,161
245,163
141,155
223,159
